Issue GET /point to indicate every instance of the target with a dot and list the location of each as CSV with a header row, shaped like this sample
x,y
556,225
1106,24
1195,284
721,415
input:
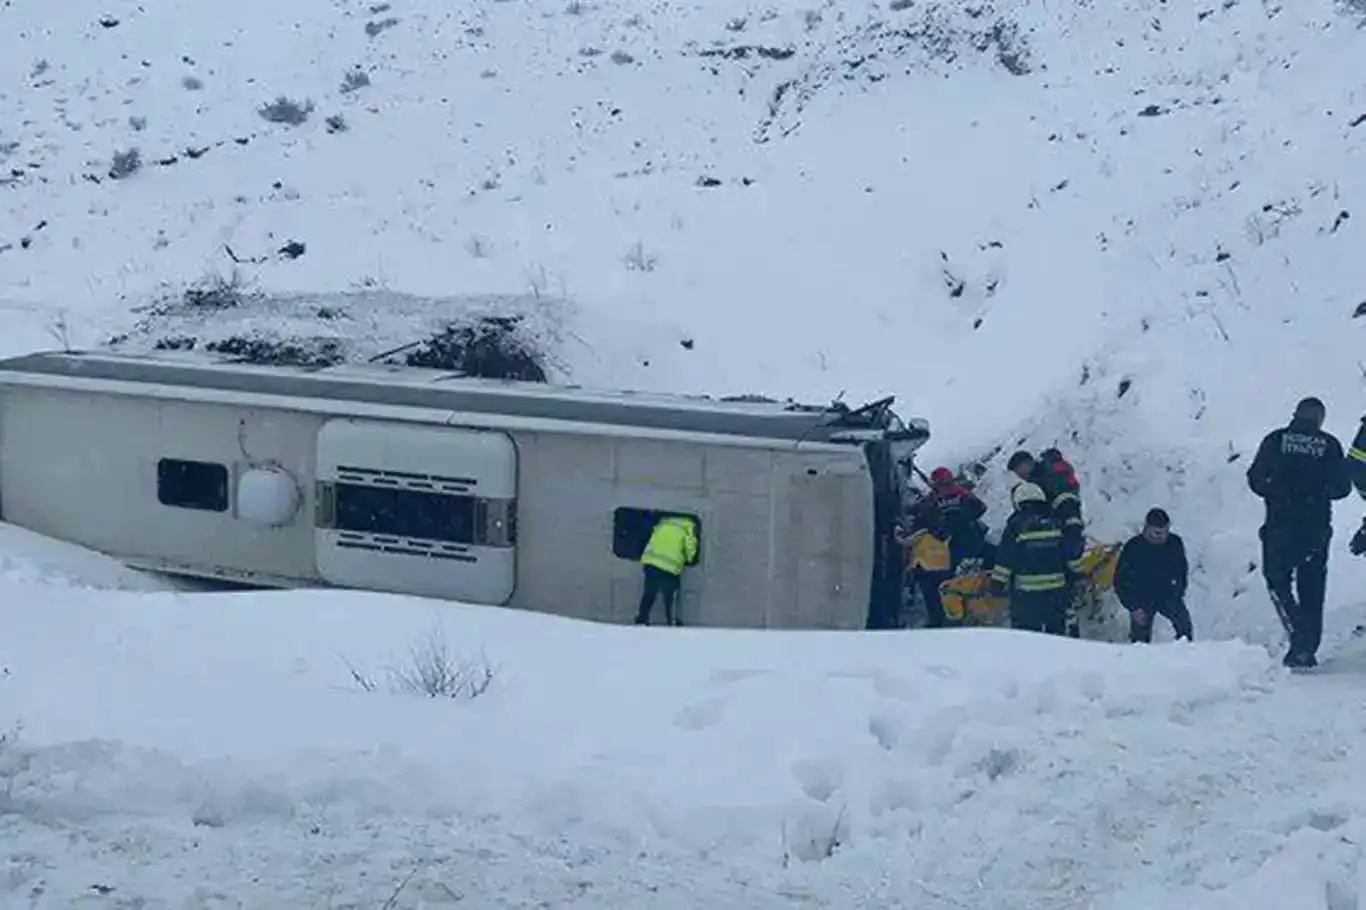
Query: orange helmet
x,y
941,477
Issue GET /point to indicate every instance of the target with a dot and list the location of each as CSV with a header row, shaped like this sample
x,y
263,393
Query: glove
x,y
1140,615
1358,543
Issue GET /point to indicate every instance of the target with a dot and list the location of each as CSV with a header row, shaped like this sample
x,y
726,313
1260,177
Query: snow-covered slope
x,y
32,559
218,753
1130,228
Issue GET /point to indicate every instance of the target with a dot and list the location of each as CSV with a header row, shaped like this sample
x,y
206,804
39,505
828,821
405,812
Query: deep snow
x,y
212,751
1131,229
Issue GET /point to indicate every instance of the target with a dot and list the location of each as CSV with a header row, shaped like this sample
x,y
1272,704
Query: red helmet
x,y
941,477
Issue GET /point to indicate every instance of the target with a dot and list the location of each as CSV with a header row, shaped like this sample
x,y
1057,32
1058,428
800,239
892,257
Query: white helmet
x,y
1027,492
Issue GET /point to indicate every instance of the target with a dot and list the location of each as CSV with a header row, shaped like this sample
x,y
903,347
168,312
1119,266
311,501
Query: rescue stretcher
x,y
969,601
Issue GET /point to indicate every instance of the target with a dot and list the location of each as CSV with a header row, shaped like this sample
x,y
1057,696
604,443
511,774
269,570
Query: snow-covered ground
x,y
1132,229
215,751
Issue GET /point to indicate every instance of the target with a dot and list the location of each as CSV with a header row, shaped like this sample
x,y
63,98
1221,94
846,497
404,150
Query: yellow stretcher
x,y
968,600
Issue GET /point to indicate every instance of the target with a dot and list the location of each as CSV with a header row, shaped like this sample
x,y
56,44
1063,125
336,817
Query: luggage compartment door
x,y
413,509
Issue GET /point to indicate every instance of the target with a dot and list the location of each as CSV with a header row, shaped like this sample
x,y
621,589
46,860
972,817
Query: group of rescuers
x,y
1037,564
1299,471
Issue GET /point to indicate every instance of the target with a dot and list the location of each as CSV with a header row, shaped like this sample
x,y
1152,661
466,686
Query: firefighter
x,y
1356,464
924,532
1024,466
1055,476
1299,472
1059,482
960,516
1032,566
672,548
1064,492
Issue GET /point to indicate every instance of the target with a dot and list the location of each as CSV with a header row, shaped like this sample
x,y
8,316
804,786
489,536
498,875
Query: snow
x,y
32,559
212,750
1130,229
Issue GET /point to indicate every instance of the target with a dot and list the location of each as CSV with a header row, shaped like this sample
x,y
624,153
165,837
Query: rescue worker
x,y
1356,465
1024,466
924,532
1031,564
1056,477
1299,471
1064,492
672,548
959,516
1059,482
1151,578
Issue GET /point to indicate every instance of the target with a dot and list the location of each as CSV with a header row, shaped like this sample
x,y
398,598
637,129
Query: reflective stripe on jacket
x,y
1031,558
672,546
1356,459
1067,506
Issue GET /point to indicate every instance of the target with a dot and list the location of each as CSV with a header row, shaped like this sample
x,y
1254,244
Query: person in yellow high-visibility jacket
x,y
672,548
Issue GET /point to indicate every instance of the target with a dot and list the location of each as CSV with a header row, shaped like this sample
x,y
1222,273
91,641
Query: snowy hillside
x,y
1126,228
1132,229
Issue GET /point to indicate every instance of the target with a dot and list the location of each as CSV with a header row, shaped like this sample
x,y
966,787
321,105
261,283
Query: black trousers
x,y
1295,566
1040,611
658,583
929,583
1177,614
1077,596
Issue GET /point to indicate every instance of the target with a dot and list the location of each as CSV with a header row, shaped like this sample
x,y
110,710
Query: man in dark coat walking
x,y
1151,577
1299,471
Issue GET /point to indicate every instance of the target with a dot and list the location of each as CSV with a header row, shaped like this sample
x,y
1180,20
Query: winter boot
x,y
1300,660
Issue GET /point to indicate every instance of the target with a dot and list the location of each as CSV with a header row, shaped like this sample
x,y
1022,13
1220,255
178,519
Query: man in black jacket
x,y
1151,577
1299,471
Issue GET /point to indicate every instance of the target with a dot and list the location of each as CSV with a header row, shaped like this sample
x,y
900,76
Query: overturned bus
x,y
421,482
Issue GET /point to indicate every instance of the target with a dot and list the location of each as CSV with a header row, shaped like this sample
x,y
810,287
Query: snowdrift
x,y
643,767
33,559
